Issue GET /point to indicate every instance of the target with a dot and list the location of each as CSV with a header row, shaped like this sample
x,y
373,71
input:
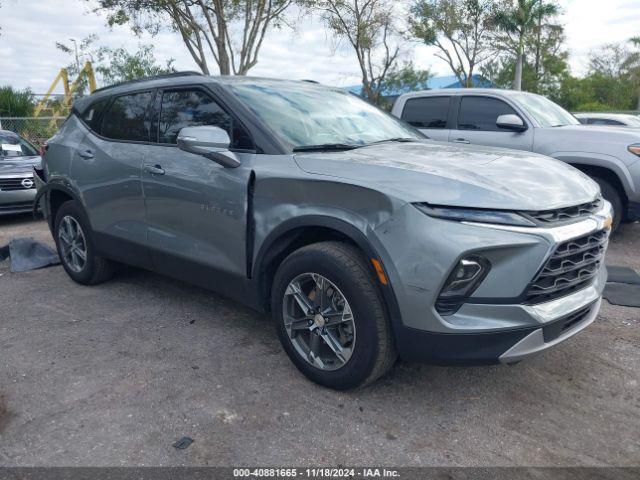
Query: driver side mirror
x,y
210,142
511,122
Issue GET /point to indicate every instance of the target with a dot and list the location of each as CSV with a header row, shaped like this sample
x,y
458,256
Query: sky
x,y
30,28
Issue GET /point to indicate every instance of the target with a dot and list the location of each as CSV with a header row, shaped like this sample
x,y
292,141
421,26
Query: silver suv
x,y
510,119
360,237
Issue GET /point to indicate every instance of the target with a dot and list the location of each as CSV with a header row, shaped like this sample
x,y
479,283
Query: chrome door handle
x,y
154,169
461,140
86,154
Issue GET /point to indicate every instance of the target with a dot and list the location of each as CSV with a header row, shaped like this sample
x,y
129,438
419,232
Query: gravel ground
x,y
114,374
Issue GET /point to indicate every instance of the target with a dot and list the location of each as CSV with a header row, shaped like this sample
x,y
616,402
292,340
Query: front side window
x,y
427,112
127,119
481,113
193,108
304,114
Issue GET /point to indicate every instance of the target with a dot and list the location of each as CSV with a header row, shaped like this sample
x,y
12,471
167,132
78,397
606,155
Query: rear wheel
x,y
611,194
75,247
330,316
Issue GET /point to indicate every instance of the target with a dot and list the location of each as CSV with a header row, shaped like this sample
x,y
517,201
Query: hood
x,y
446,174
18,165
604,140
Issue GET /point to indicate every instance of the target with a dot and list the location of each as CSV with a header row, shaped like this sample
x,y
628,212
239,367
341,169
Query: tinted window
x,y
92,116
126,118
481,113
604,121
428,112
192,108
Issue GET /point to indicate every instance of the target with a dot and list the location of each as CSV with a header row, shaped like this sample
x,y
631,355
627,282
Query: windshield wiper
x,y
396,139
326,147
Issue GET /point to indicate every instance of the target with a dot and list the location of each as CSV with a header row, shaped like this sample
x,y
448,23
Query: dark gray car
x,y
17,187
362,239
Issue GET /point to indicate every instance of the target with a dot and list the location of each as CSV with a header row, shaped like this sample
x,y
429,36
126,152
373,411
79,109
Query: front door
x,y
196,209
476,124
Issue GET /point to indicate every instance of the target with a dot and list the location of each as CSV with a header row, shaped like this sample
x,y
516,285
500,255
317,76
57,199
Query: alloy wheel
x,y
73,245
319,321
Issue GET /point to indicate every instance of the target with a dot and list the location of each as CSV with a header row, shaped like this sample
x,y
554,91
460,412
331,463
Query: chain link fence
x,y
35,129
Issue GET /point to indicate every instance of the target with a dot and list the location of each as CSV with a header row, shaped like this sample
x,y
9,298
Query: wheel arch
x,y
606,174
305,230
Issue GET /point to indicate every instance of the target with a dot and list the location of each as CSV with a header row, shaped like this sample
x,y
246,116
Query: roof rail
x,y
153,77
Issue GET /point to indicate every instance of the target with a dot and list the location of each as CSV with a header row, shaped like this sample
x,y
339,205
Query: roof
x,y
447,81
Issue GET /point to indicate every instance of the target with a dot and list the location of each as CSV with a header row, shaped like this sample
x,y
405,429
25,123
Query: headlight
x,y
461,283
475,215
635,149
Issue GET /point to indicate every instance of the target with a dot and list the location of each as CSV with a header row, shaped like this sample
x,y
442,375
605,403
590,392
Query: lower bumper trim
x,y
535,342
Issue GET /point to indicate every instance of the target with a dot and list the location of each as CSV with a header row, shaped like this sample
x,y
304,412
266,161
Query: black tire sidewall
x,y
610,194
364,356
71,209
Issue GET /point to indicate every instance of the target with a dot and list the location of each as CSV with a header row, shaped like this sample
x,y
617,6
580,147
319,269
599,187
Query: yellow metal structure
x,y
69,89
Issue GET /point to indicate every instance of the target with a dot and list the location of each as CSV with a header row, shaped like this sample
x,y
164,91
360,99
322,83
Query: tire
x,y
611,194
343,270
93,269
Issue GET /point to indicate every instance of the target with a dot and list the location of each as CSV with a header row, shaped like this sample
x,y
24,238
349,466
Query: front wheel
x,y
610,193
330,316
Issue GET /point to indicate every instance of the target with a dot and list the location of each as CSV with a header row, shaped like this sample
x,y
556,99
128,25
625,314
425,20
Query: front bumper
x,y
17,199
495,325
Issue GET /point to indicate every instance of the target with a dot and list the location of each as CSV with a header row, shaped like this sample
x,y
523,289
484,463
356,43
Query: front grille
x,y
12,184
554,330
572,267
568,213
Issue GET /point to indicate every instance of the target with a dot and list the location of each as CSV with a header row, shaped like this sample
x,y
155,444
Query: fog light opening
x,y
461,283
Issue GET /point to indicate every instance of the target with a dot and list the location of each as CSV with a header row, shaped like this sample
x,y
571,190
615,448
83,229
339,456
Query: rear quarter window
x,y
427,112
92,116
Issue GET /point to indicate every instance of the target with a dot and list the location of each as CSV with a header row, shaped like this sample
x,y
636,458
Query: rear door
x,y
196,208
429,114
476,124
107,167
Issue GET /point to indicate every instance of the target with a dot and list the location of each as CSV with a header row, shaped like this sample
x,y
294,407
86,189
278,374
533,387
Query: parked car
x,y
362,239
609,119
17,159
524,121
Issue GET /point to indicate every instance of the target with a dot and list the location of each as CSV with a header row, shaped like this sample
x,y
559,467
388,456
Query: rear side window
x,y
604,121
126,118
92,116
427,112
481,113
192,108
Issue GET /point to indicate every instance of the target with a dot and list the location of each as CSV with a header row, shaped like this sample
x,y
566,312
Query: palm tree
x,y
519,19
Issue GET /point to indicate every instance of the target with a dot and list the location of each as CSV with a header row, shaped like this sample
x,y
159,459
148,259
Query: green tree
x,y
368,28
518,19
118,65
230,31
16,103
80,53
632,65
459,29
405,78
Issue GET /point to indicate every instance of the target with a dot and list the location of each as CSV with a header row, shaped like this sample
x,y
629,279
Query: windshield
x,y
544,111
632,121
306,115
14,146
